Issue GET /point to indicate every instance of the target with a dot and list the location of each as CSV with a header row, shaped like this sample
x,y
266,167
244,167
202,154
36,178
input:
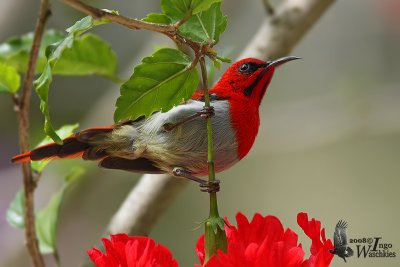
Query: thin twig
x,y
22,108
182,20
169,30
97,13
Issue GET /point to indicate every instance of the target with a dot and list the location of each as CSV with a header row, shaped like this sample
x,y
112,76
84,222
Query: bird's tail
x,y
77,145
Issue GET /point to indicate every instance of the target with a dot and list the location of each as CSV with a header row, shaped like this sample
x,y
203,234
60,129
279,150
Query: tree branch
x,y
276,37
169,30
280,33
22,108
135,24
142,208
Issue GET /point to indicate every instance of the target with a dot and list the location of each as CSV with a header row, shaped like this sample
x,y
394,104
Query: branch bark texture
x,y
22,107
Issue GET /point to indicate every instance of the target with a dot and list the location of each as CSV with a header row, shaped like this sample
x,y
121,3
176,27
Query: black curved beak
x,y
281,61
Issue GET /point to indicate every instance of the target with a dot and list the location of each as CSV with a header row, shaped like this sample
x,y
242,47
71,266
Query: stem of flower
x,y
215,237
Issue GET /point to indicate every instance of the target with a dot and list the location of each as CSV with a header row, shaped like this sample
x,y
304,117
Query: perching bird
x,y
175,141
340,241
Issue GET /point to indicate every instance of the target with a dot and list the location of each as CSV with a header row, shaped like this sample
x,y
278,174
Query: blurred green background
x,y
329,142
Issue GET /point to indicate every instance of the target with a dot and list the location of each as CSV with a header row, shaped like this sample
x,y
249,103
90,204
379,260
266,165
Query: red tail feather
x,y
22,158
77,145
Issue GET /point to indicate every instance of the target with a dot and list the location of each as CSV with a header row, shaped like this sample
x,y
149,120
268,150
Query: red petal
x,y
94,253
312,228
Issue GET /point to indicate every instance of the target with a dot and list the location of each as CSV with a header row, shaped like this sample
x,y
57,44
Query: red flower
x,y
320,255
264,242
132,251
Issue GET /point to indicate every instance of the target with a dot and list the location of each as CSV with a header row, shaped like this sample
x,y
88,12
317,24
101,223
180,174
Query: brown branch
x,y
135,24
22,104
169,30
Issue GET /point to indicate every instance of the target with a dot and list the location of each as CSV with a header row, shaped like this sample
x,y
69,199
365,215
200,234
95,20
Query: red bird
x,y
175,142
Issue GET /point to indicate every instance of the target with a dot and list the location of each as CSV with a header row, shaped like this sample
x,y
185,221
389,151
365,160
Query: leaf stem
x,y
22,104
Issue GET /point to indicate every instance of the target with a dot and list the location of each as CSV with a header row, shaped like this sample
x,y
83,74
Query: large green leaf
x,y
47,218
64,132
158,83
74,55
88,55
180,8
10,80
202,5
205,26
15,212
15,51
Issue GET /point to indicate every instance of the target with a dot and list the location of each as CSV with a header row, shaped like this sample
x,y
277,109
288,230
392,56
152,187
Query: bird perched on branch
x,y
175,141
341,247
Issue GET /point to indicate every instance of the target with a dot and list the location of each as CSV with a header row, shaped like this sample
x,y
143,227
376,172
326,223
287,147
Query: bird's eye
x,y
245,68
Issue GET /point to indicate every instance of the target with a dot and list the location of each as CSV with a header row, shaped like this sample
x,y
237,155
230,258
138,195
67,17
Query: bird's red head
x,y
249,77
244,85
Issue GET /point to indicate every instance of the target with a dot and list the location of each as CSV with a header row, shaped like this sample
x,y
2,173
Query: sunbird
x,y
175,141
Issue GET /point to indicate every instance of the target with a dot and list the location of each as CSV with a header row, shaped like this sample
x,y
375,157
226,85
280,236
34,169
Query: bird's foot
x,y
205,186
210,186
206,112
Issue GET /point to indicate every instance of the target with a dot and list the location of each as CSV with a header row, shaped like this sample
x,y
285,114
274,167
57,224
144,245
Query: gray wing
x,y
340,236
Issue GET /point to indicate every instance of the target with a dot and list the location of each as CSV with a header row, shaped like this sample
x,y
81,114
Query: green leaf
x,y
10,80
15,51
206,24
205,27
176,9
157,18
179,8
42,89
47,218
64,132
74,55
87,23
15,212
159,82
202,5
88,55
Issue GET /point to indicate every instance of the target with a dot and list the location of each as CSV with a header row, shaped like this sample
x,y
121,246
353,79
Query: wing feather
x,y
340,236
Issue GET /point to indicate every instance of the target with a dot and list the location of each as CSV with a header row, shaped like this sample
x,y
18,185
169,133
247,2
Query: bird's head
x,y
249,77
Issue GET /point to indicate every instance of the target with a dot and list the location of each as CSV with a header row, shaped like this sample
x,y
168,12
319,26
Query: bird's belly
x,y
193,160
186,146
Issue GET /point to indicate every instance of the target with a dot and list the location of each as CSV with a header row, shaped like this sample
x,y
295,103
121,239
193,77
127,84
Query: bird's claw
x,y
207,112
210,186
205,186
